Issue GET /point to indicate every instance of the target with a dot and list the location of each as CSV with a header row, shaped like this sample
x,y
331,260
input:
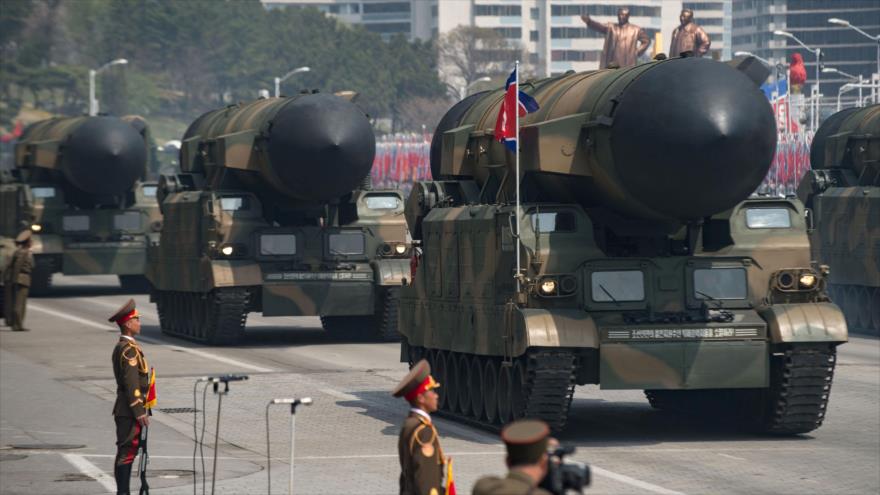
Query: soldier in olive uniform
x,y
18,282
422,463
132,384
527,460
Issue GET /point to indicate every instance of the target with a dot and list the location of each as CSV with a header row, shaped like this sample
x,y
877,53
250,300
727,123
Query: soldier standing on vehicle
x,y
18,282
424,468
527,460
132,384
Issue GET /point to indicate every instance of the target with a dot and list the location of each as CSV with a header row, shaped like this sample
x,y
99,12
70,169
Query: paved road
x,y
56,393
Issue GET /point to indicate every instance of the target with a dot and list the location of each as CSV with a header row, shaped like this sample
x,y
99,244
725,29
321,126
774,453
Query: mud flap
x,y
390,272
815,322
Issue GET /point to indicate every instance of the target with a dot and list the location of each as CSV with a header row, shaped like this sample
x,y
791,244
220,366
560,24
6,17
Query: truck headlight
x,y
400,248
227,250
35,227
548,286
807,281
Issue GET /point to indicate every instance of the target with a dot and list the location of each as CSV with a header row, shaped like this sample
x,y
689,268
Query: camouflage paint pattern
x,y
311,281
464,296
113,240
103,247
307,278
843,190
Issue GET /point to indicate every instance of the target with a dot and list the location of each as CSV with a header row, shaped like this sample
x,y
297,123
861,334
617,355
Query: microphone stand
x,y
307,401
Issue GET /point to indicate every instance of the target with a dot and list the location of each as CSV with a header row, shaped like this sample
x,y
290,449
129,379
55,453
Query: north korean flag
x,y
505,124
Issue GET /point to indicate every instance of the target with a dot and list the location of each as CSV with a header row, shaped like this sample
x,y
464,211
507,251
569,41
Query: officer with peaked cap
x,y
132,384
527,460
422,463
18,282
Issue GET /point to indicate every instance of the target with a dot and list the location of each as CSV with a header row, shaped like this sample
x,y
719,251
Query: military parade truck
x,y
644,265
78,184
272,213
843,192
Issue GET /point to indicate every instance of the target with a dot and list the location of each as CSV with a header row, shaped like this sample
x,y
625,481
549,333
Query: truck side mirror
x,y
511,225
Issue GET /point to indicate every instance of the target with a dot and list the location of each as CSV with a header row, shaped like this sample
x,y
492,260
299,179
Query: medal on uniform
x,y
427,450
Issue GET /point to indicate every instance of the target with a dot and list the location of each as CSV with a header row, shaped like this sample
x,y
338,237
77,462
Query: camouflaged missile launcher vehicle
x,y
644,265
271,214
79,185
843,191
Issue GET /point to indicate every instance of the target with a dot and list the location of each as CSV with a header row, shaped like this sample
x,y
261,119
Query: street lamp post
x,y
876,39
814,122
279,80
93,102
832,70
845,23
464,91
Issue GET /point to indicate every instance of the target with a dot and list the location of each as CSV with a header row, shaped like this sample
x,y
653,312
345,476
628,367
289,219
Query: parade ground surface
x,y
57,432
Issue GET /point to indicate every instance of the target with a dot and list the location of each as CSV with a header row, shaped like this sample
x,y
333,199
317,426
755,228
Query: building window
x,y
536,14
388,27
575,55
343,8
703,6
386,7
611,10
571,32
509,33
498,10
533,36
711,21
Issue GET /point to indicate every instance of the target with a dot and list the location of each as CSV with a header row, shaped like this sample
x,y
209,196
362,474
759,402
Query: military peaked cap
x,y
23,236
125,313
526,441
417,381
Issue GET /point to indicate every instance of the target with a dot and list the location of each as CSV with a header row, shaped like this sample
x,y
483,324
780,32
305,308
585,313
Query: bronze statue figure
x,y
689,37
624,42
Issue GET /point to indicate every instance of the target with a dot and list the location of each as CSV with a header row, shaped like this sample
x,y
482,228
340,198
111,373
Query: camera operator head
x,y
527,460
526,442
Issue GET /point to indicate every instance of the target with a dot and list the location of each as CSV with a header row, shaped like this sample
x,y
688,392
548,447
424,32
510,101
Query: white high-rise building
x,y
551,31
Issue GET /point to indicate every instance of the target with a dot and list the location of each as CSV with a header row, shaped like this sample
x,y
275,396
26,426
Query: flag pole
x,y
518,205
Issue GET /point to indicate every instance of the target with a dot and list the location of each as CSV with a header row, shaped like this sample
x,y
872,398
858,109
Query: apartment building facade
x,y
551,32
842,48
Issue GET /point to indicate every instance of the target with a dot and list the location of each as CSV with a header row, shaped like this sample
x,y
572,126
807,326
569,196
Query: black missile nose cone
x,y
104,155
692,137
321,146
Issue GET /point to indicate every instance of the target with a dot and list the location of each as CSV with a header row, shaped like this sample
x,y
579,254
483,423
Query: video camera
x,y
565,475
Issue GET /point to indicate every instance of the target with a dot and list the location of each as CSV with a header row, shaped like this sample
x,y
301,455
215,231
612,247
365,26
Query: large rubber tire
x,y
490,390
135,284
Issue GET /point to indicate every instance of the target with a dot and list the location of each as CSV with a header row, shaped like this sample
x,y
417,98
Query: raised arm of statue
x,y
702,42
597,26
644,41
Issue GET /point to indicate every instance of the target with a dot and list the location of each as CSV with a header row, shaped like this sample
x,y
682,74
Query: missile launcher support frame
x,y
644,263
